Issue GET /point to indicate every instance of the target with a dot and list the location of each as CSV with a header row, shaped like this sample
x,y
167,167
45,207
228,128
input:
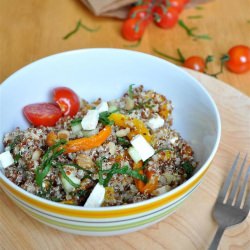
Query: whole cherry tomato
x,y
133,29
239,59
140,12
165,17
196,63
67,100
42,114
177,4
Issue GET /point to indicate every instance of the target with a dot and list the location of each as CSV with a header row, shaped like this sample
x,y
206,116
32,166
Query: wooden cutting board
x,y
191,227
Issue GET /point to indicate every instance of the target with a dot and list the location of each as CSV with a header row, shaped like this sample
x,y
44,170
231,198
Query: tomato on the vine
x,y
239,59
133,29
196,63
140,12
42,114
165,17
177,4
67,100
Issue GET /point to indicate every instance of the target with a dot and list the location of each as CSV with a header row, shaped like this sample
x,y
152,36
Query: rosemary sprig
x,y
190,31
79,25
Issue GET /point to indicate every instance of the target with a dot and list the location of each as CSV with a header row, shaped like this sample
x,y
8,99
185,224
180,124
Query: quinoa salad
x,y
108,153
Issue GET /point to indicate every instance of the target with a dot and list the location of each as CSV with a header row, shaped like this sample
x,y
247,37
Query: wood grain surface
x,y
32,29
191,227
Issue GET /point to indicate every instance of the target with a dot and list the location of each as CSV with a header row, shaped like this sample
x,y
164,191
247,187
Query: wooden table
x,y
32,29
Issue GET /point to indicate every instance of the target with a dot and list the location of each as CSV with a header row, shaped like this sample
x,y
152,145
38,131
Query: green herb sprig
x,y
190,31
80,25
189,169
47,160
123,142
104,118
130,91
115,169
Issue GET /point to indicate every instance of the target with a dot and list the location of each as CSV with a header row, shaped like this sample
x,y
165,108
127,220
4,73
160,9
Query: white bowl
x,y
107,73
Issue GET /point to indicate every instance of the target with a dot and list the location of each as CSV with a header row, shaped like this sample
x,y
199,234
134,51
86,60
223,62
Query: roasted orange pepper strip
x,y
136,126
152,183
81,143
89,142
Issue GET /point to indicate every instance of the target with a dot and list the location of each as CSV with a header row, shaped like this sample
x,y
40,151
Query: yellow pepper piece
x,y
136,126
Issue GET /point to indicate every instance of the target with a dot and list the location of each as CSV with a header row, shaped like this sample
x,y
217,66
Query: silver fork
x,y
231,209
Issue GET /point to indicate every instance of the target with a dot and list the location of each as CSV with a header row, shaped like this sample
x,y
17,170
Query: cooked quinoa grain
x,y
44,167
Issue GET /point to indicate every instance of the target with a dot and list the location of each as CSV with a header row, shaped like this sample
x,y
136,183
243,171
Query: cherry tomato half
x,y
42,114
239,59
195,63
177,4
165,18
133,29
67,100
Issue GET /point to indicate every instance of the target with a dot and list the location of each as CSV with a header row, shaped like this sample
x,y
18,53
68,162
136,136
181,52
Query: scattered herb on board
x,y
134,45
190,32
199,7
80,25
195,17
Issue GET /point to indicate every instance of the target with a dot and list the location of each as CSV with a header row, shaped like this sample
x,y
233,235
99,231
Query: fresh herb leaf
x,y
100,171
104,118
65,176
123,142
47,160
124,170
189,169
16,140
130,91
76,121
17,157
79,25
145,163
190,31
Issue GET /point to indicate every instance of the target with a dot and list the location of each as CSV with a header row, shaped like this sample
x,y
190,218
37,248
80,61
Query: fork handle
x,y
215,243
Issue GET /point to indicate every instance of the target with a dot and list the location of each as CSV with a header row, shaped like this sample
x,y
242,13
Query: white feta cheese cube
x,y
96,197
90,120
144,149
66,185
155,122
103,106
134,154
6,159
